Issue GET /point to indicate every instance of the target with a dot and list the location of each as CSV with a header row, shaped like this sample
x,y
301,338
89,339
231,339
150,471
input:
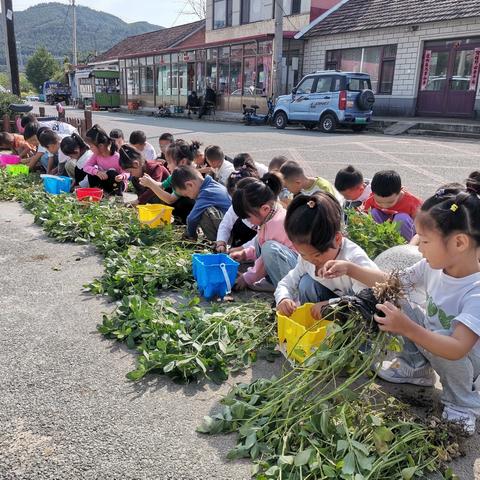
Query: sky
x,y
165,13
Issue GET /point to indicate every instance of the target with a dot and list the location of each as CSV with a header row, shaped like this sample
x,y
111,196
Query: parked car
x,y
328,99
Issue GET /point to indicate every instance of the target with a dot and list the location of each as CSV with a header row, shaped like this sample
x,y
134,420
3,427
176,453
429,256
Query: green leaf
x,y
329,471
251,440
348,467
408,473
342,445
286,459
302,458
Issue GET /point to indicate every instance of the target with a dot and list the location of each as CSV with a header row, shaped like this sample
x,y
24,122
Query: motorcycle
x,y
251,117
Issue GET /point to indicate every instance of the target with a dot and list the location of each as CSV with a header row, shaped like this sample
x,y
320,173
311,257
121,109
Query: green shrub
x,y
5,100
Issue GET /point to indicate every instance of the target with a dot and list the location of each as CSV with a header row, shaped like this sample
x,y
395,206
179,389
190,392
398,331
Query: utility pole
x,y
75,59
278,49
10,46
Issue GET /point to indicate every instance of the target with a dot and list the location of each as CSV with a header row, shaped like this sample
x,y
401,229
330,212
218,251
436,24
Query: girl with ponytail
x,y
274,255
78,152
442,334
103,167
314,225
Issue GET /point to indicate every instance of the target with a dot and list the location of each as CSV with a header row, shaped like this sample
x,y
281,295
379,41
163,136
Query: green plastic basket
x,y
18,169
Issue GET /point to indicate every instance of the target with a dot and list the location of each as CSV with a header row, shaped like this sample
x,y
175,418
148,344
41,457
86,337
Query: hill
x,y
50,24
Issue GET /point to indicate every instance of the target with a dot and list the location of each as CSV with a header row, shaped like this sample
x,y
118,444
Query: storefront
x,y
449,79
240,72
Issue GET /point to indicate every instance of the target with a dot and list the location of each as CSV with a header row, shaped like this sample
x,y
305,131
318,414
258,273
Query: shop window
x,y
133,81
200,78
264,67
223,70
222,13
163,80
174,79
146,80
182,79
378,62
236,70
249,76
211,73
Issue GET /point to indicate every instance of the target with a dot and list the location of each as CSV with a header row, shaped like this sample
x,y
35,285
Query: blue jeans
x,y
310,291
277,259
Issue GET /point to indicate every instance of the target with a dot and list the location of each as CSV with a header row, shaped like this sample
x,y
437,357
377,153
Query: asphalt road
x,y
66,409
423,162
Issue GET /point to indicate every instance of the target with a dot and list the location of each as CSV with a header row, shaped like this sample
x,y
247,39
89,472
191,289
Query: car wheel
x,y
328,123
359,128
309,126
280,120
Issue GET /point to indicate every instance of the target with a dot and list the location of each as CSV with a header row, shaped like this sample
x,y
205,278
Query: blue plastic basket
x,y
215,274
56,184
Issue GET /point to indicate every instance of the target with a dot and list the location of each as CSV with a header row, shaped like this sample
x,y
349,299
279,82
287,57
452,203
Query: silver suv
x,y
328,99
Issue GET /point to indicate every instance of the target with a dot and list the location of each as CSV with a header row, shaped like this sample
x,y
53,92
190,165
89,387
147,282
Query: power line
x,y
180,13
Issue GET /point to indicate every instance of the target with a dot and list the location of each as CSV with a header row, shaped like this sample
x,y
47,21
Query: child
x,y
103,167
390,202
138,139
313,224
221,167
165,140
441,335
50,140
233,230
31,133
246,159
177,154
285,197
78,152
132,161
211,200
117,134
297,182
62,128
17,144
274,255
350,183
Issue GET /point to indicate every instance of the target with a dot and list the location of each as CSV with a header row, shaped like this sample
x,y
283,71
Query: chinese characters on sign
x,y
475,70
426,69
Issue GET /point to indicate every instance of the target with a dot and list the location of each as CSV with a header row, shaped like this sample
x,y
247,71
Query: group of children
x,y
289,226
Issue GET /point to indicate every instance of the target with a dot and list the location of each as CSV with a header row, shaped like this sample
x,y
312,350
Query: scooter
x,y
251,117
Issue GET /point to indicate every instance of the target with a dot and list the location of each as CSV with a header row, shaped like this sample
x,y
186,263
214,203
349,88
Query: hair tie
x,y
454,207
311,204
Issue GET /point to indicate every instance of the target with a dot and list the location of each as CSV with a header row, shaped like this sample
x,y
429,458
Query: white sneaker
x,y
466,420
398,371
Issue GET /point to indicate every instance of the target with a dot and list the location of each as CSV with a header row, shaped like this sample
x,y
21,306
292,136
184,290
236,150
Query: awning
x,y
83,73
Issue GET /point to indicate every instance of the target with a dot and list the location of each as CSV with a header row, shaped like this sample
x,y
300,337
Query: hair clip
x,y
454,207
311,204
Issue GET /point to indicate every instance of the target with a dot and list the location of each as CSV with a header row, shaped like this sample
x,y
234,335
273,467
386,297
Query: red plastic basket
x,y
89,194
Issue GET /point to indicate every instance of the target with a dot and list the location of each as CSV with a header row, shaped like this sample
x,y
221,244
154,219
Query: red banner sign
x,y
475,70
427,58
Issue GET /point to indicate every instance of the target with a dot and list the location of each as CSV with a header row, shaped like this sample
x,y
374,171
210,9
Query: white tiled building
x,y
423,55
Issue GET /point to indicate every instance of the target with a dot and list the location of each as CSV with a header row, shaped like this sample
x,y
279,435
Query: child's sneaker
x,y
466,420
398,371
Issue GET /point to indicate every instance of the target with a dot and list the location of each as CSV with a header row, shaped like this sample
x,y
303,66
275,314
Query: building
x,y
423,56
231,50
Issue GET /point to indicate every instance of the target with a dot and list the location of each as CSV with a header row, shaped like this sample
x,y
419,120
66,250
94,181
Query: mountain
x,y
50,24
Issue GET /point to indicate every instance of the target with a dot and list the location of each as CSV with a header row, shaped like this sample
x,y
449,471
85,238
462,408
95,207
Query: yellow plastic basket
x,y
155,215
18,169
301,332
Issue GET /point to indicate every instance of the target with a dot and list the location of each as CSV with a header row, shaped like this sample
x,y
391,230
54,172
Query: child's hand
x,y
238,255
220,247
102,175
147,181
240,283
394,321
286,307
316,310
119,178
335,268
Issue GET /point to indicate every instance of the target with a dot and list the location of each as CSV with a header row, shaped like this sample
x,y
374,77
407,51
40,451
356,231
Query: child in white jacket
x,y
313,224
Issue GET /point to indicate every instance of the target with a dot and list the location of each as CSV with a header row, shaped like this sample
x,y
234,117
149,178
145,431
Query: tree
x,y
197,8
41,67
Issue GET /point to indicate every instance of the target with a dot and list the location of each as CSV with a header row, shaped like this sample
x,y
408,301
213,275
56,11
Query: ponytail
x,y
98,136
252,193
314,220
454,208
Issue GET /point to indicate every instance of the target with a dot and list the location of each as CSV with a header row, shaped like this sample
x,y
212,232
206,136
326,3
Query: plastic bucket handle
x,y
155,218
227,278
